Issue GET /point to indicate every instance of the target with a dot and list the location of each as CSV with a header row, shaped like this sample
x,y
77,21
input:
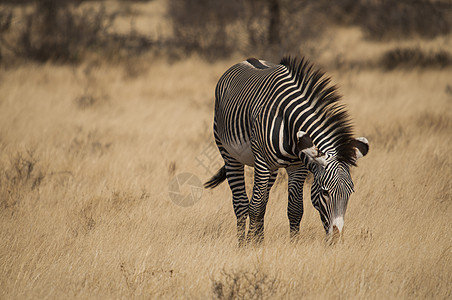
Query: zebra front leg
x,y
297,175
240,202
258,203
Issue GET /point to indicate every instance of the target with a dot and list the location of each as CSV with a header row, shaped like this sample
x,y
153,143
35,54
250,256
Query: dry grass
x,y
85,211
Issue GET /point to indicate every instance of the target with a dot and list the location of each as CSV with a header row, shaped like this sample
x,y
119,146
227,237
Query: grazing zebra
x,y
285,115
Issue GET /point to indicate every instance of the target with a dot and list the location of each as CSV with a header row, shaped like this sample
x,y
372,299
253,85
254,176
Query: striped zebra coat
x,y
285,115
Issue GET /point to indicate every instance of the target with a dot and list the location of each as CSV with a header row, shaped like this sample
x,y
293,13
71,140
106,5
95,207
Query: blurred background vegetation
x,y
69,31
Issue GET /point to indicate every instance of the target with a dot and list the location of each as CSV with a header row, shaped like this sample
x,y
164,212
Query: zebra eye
x,y
324,192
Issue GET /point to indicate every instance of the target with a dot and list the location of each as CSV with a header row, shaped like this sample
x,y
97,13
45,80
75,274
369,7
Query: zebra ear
x,y
361,146
305,145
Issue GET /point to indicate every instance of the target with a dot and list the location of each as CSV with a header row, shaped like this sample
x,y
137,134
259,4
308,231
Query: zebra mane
x,y
326,102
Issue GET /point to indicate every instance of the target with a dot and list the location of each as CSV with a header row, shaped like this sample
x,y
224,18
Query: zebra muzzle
x,y
335,233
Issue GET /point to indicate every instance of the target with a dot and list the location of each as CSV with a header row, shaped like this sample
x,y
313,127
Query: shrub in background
x,y
61,31
201,26
391,19
414,57
270,28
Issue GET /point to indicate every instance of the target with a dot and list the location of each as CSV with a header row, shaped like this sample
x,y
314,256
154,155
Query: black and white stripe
x,y
285,115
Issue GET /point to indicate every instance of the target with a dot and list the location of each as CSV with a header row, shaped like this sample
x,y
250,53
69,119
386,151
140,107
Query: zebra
x,y
287,115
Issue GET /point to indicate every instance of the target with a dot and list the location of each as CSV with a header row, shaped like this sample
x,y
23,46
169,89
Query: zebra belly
x,y
241,152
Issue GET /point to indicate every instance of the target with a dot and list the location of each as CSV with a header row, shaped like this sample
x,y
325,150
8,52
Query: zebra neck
x,y
305,118
316,110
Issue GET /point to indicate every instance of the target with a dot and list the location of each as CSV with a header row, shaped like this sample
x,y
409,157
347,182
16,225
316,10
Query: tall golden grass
x,y
87,154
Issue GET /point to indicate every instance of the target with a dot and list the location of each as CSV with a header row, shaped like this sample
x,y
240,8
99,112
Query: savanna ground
x,y
87,153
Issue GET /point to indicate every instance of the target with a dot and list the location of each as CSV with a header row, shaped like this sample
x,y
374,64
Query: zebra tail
x,y
216,179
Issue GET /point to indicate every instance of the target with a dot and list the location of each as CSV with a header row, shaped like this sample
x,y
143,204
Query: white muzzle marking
x,y
338,223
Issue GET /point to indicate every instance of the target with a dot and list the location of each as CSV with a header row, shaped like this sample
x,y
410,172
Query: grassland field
x,y
87,154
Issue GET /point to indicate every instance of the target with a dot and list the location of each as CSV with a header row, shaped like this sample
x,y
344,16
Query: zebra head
x,y
332,185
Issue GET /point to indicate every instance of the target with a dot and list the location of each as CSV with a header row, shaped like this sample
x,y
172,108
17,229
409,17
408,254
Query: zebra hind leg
x,y
236,179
